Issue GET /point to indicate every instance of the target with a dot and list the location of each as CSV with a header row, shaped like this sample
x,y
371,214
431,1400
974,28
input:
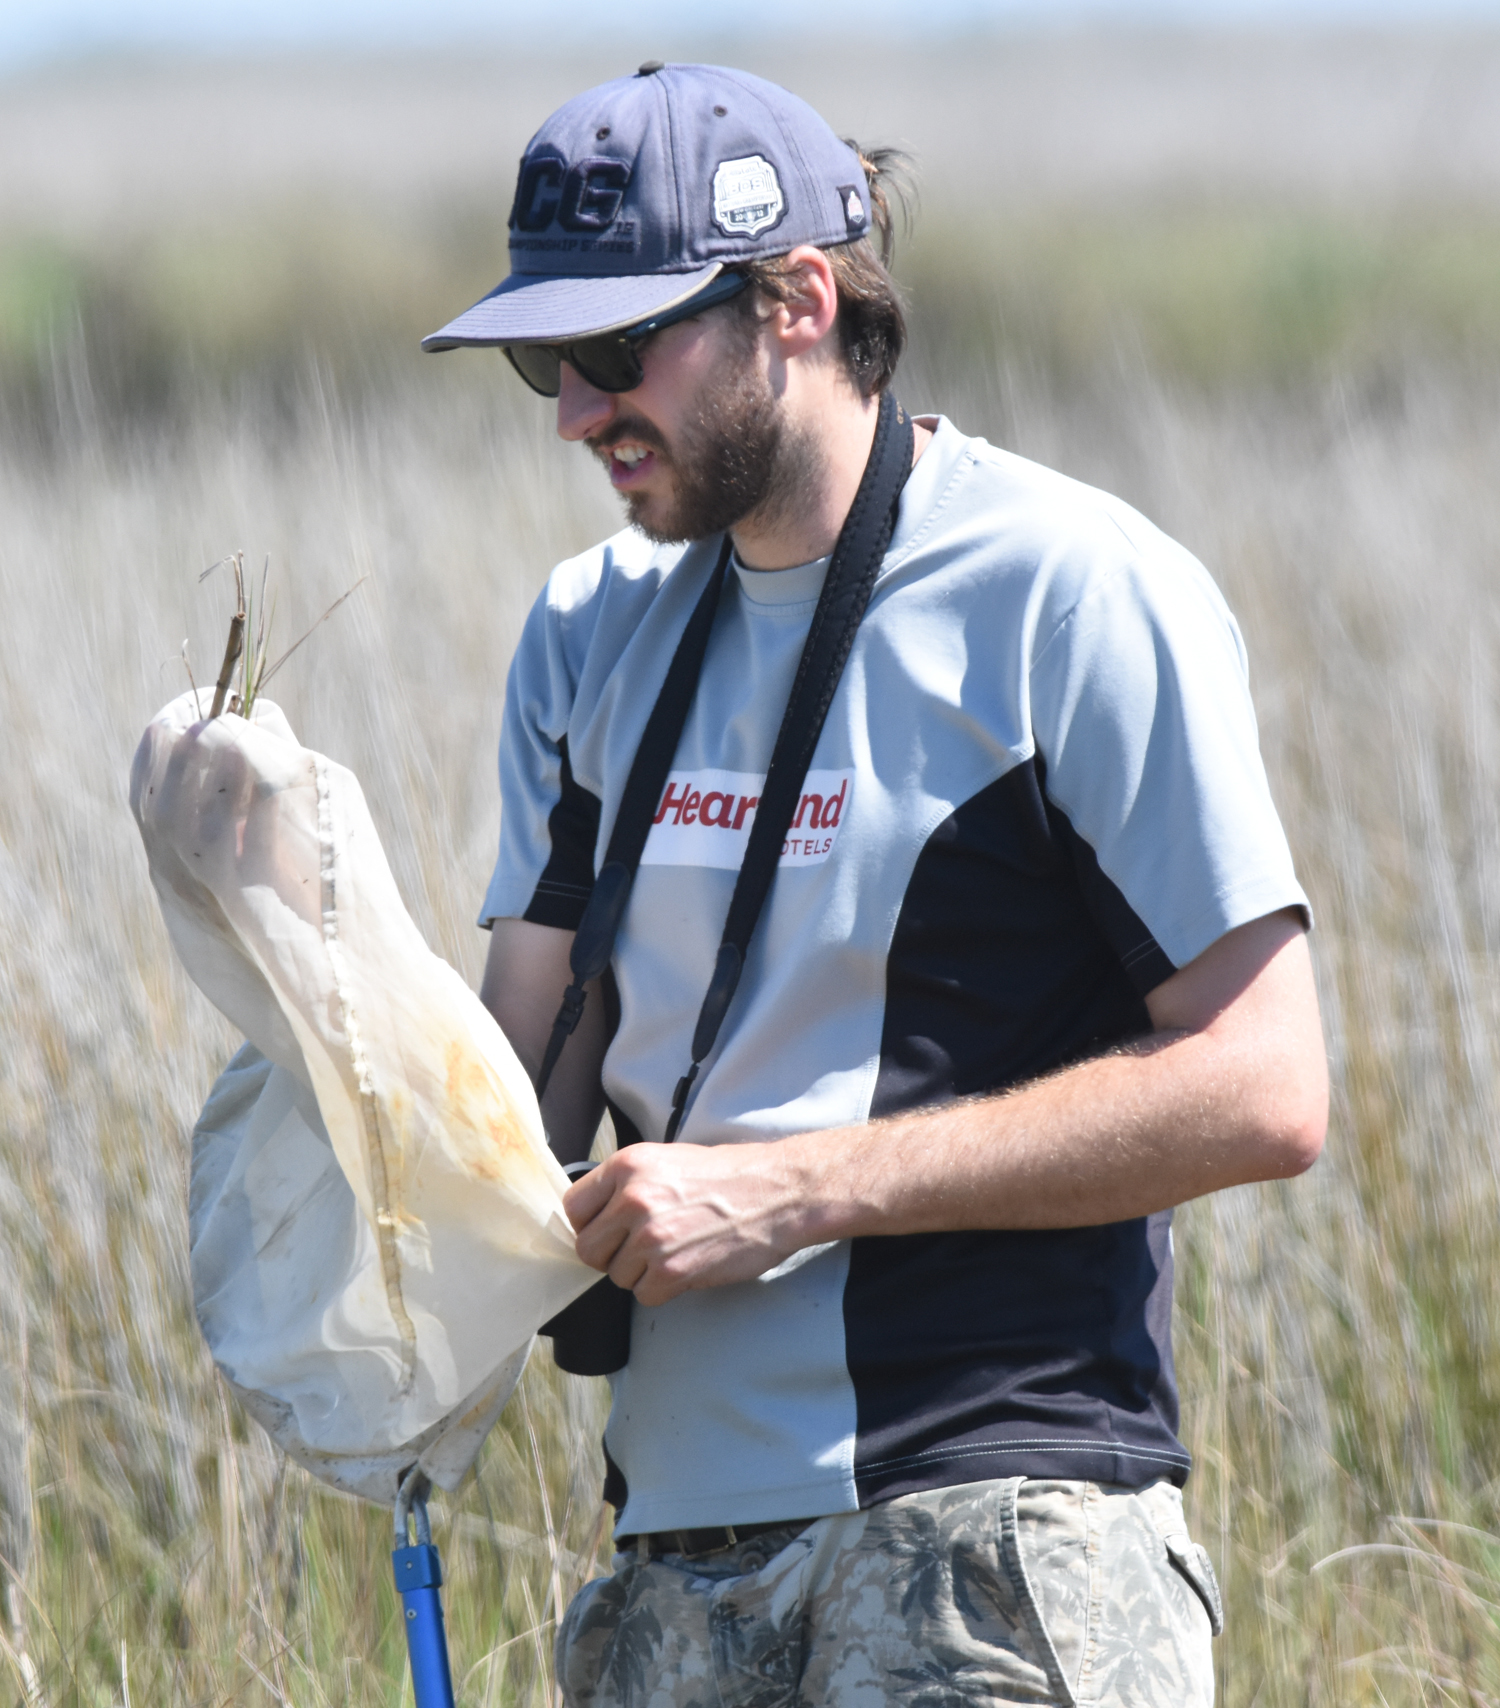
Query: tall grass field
x,y
1287,356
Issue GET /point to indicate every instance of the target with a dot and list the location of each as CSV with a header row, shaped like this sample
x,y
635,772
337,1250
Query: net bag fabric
x,y
375,1219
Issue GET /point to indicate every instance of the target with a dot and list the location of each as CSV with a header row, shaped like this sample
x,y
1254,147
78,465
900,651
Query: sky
x,y
37,31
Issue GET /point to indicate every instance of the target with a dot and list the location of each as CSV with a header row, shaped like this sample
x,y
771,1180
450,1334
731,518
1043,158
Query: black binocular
x,y
591,1337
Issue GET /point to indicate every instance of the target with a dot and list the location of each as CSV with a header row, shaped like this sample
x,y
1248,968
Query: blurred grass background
x,y
1250,282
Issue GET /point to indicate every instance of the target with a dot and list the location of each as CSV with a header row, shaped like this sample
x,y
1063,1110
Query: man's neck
x,y
830,433
838,440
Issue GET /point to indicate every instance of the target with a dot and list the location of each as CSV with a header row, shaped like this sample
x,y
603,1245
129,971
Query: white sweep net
x,y
376,1221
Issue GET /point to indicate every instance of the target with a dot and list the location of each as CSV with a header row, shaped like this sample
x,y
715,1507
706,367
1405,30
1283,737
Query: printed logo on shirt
x,y
704,819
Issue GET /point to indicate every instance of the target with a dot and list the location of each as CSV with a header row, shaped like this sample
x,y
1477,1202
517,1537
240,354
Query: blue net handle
x,y
419,1578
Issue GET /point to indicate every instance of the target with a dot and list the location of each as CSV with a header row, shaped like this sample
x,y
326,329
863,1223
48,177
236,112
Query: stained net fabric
x,y
376,1221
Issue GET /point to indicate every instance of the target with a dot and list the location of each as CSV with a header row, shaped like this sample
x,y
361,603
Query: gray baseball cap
x,y
634,195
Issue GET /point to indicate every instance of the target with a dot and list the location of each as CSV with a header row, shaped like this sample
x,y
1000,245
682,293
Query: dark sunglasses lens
x,y
539,365
608,364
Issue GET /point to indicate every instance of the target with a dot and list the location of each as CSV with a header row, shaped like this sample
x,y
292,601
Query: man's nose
x,y
582,409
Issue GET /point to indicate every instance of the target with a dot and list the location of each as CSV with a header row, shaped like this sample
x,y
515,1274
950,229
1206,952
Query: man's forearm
x,y
1232,1088
1107,1140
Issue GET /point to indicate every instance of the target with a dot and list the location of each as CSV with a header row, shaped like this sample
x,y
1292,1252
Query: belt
x,y
654,1543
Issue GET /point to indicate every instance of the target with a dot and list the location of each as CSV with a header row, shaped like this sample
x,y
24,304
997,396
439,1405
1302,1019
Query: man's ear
x,y
807,314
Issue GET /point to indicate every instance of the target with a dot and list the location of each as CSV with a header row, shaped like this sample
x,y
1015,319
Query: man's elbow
x,y
1292,1123
1298,1145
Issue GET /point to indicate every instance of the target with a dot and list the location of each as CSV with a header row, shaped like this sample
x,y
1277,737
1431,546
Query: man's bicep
x,y
525,976
1243,967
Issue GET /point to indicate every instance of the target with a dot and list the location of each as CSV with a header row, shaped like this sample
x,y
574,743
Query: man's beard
x,y
737,458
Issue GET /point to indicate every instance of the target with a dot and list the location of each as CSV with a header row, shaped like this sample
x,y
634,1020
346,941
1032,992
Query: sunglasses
x,y
610,361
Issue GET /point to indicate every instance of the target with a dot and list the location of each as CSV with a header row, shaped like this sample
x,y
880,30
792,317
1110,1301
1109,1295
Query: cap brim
x,y
528,308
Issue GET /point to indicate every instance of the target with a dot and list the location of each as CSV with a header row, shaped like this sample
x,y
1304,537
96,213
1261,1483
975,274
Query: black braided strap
x,y
594,940
846,593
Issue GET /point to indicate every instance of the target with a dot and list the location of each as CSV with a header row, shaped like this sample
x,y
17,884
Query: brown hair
x,y
871,321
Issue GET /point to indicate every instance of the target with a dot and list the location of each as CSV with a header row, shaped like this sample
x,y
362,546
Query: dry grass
x,y
1334,466
1337,1337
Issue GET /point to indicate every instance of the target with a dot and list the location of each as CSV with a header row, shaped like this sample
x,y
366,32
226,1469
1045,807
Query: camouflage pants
x,y
1001,1592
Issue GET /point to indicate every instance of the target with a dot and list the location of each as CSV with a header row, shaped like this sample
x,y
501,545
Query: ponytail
x,y
892,193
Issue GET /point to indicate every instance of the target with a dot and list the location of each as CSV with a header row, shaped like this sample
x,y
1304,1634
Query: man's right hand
x,y
661,1219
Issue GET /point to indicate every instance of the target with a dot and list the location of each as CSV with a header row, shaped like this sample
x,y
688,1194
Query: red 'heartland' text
x,y
704,817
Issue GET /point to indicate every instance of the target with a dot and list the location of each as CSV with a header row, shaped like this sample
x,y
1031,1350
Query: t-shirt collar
x,y
796,586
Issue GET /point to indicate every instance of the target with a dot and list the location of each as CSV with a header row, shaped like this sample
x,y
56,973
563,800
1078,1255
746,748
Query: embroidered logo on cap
x,y
583,197
747,196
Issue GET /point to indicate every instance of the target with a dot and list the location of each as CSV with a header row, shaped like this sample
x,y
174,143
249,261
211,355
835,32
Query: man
x,y
898,1420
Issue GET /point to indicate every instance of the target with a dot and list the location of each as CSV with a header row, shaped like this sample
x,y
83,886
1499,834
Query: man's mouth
x,y
629,462
630,450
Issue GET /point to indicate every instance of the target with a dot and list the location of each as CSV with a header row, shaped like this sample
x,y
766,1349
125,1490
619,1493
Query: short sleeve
x,y
549,824
1141,712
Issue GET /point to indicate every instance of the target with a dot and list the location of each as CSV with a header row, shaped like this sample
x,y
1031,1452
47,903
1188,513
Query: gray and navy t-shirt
x,y
1037,793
